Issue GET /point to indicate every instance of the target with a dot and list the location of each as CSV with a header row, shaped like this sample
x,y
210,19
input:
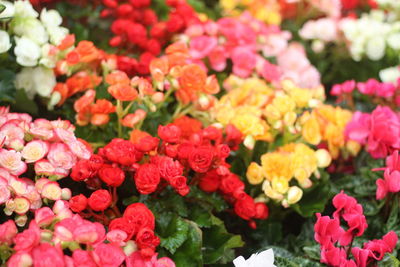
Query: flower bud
x,y
294,195
21,220
324,159
66,193
249,142
255,173
130,247
51,191
157,97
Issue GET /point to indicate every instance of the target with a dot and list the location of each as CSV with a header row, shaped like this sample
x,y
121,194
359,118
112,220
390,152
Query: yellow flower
x,y
284,104
353,147
280,185
311,131
294,195
248,124
269,192
255,173
277,164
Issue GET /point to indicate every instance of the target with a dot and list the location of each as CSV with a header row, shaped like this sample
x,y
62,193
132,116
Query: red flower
x,y
112,176
188,125
139,216
81,171
125,225
78,203
99,200
122,152
146,239
169,133
180,185
262,211
210,181
147,143
147,178
231,184
245,208
168,167
201,158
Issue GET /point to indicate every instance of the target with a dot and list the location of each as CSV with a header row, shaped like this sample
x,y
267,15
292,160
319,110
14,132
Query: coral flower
x,y
123,92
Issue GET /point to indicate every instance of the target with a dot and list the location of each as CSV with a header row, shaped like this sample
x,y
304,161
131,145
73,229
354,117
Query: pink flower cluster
x,y
244,40
50,147
379,131
371,87
44,245
336,242
391,177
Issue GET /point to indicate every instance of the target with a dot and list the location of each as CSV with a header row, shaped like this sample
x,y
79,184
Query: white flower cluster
x,y
36,38
372,34
393,5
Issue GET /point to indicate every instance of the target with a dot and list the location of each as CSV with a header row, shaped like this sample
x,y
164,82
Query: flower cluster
x,y
336,242
137,28
189,81
57,237
49,147
378,130
36,42
264,10
390,182
278,168
245,41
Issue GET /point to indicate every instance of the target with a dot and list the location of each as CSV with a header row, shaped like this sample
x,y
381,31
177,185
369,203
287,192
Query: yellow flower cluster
x,y
292,161
326,124
294,117
261,111
264,10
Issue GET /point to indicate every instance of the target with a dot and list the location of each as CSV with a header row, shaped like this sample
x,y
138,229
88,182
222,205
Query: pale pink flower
x,y
35,150
22,205
80,150
61,156
11,131
18,186
64,124
194,30
274,44
40,183
44,167
44,216
85,232
325,29
52,191
63,135
117,236
211,28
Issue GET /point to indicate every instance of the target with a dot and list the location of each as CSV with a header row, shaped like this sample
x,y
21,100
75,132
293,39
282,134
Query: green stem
x,y
119,115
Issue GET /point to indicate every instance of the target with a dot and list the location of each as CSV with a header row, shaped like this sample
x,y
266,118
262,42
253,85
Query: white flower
x,y
9,10
37,80
31,28
5,43
27,52
50,17
262,259
375,49
24,9
390,74
57,34
24,80
44,81
394,40
49,56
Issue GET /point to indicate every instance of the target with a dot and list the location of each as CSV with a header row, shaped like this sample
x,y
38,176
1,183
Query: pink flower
x,y
20,259
61,156
11,161
52,191
28,239
8,230
201,46
86,232
386,90
217,58
83,258
244,61
79,149
358,128
378,248
45,255
44,216
361,256
270,72
35,150
109,255
165,262
4,191
136,260
327,230
333,256
44,167
369,87
117,236
11,131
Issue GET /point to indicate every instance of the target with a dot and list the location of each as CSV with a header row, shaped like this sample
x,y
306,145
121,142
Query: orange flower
x,y
178,47
117,77
82,81
159,68
193,78
143,85
102,106
62,88
131,119
185,96
177,59
136,135
87,51
67,42
123,92
211,86
99,119
72,58
84,103
188,125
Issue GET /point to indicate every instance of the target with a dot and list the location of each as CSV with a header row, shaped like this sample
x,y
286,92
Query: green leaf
x,y
7,88
2,8
313,252
24,104
284,262
314,199
178,233
190,253
392,221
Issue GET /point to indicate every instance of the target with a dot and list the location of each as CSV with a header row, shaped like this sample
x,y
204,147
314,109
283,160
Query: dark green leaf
x,y
190,253
177,234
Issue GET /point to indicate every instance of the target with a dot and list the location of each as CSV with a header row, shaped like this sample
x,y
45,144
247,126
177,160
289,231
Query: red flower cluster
x,y
137,28
329,233
139,223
